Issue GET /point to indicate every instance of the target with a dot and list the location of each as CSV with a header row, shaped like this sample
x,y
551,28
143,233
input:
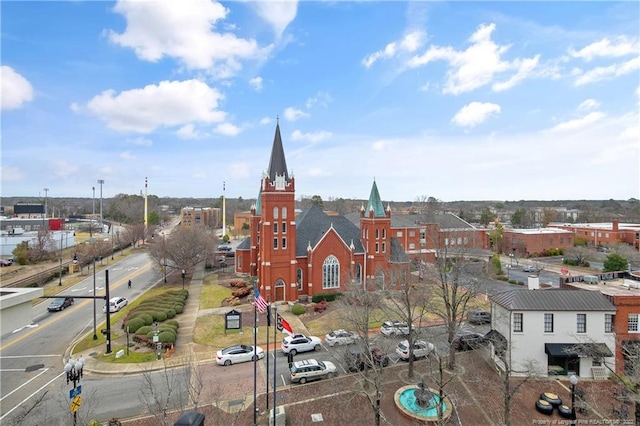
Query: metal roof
x,y
553,300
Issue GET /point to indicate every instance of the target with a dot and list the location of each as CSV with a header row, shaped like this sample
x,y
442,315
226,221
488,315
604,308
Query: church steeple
x,y
375,203
277,163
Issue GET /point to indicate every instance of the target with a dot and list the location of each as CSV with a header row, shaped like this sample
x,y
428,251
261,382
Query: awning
x,y
575,350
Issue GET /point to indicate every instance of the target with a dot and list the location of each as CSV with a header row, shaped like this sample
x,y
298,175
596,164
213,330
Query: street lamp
x,y
46,193
574,381
101,181
73,370
183,274
93,213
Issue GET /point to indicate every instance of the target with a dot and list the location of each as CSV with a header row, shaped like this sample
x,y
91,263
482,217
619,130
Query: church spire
x,y
375,203
277,163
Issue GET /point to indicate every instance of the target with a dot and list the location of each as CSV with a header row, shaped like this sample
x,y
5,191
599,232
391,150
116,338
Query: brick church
x,y
313,252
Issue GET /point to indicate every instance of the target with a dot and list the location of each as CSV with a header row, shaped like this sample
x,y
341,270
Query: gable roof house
x,y
559,332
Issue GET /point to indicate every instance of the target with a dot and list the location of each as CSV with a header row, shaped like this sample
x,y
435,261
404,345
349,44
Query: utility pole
x,y
101,182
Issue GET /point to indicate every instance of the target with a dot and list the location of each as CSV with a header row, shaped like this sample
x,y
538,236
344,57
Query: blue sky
x,y
458,101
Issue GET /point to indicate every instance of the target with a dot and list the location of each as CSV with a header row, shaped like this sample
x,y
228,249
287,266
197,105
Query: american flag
x,y
258,301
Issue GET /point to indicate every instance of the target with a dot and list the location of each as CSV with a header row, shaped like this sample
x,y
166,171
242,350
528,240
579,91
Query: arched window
x,y
284,212
359,273
331,273
299,278
275,212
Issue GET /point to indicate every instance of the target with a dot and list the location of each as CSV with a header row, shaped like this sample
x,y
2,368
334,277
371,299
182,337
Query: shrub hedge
x,y
298,309
327,297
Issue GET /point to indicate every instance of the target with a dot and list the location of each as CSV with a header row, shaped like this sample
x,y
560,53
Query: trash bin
x,y
190,418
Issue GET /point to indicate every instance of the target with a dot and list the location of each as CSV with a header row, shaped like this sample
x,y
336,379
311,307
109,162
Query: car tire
x,y
317,348
293,352
385,362
303,381
227,362
254,358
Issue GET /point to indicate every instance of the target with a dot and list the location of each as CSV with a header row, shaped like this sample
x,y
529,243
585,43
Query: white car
x,y
341,337
300,343
394,328
310,369
421,349
238,353
115,304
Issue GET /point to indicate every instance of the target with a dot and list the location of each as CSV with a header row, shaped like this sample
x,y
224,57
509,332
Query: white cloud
x,y
228,129
187,131
588,104
409,44
16,90
127,155
525,68
321,98
140,141
609,72
277,13
169,103
475,113
266,120
184,30
239,170
621,46
256,83
478,65
311,137
293,114
579,123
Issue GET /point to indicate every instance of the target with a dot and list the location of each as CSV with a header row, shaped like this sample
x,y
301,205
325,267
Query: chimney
x,y
615,226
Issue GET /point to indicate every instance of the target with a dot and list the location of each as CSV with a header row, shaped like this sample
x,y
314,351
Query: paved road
x,y
32,359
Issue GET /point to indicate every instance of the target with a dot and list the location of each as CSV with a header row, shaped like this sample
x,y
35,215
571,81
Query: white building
x,y
559,332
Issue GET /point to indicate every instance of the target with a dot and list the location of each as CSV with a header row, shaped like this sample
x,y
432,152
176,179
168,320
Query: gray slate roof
x,y
445,221
553,300
313,223
277,163
245,244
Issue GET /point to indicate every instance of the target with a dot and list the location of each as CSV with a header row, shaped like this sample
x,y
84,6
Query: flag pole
x,y
268,325
255,365
275,329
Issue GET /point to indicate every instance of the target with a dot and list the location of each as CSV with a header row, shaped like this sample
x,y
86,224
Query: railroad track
x,y
35,280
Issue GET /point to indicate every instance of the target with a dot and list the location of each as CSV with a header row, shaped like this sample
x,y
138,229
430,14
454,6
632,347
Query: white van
x,y
115,304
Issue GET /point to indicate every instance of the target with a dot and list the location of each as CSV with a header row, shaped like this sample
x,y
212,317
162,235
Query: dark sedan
x,y
466,340
60,303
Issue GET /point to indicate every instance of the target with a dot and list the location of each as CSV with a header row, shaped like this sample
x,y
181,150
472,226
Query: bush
x,y
178,308
327,297
298,309
134,324
171,313
146,317
161,316
167,337
144,330
173,323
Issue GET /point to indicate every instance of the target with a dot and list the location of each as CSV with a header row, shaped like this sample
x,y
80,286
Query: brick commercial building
x,y
604,234
534,242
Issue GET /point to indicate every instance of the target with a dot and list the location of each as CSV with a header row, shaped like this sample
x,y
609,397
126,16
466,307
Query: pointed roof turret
x,y
277,163
375,203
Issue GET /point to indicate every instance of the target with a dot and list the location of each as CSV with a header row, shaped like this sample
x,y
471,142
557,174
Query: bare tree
x,y
42,247
134,233
577,254
358,309
183,248
408,302
451,289
162,391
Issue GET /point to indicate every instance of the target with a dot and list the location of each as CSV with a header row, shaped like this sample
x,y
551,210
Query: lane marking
x,y
24,384
31,396
28,356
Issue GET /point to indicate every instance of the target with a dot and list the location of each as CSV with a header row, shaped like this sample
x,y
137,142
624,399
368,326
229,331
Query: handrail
x,y
35,278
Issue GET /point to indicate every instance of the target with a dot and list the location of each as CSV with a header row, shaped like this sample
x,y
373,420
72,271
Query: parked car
x,y
115,304
310,369
224,248
60,303
341,337
300,343
421,349
238,353
530,268
357,359
394,328
479,317
466,340
6,262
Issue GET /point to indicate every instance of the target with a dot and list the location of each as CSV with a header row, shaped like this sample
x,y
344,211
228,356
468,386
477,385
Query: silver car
x,y
341,337
394,328
421,349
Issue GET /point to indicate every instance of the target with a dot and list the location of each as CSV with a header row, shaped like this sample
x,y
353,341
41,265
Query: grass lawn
x,y
133,357
210,331
213,293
